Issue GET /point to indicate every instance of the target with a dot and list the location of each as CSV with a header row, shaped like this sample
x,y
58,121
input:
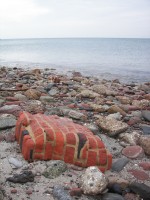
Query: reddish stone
x,y
134,120
145,165
11,99
13,191
29,192
10,138
133,151
131,196
13,103
76,192
147,96
139,174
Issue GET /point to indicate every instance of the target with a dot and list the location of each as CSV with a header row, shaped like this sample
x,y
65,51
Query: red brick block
x,y
52,137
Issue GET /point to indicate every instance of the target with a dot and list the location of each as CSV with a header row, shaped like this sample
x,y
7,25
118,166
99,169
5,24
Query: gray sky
x,y
74,18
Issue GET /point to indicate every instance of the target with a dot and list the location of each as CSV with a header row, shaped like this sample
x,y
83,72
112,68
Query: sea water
x,y
127,59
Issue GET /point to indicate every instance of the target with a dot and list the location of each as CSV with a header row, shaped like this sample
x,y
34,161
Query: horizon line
x,y
24,38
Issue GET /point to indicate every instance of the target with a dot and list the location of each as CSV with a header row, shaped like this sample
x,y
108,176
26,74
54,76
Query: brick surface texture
x,y
55,138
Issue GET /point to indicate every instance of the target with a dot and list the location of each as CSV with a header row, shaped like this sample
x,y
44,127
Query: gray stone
x,y
93,127
146,115
119,164
10,109
15,162
141,189
60,194
53,91
55,168
93,181
111,144
49,86
76,115
47,99
112,196
21,97
145,128
7,121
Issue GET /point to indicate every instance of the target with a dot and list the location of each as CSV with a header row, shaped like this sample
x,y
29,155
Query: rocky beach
x,y
116,112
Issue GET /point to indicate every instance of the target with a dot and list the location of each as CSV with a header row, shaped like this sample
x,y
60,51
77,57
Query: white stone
x,y
93,181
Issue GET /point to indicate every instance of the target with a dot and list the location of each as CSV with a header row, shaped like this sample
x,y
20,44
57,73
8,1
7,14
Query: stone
x,y
131,196
15,162
103,90
93,181
47,99
146,115
131,138
137,113
134,120
93,127
60,194
133,152
139,174
141,189
53,91
111,125
116,116
141,104
32,94
112,196
11,109
98,108
116,179
7,121
145,128
145,165
115,109
26,176
76,192
33,106
89,94
144,142
115,188
13,191
111,144
21,97
76,115
49,86
54,168
123,99
147,96
119,164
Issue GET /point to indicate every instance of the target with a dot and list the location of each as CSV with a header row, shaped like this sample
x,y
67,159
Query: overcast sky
x,y
74,18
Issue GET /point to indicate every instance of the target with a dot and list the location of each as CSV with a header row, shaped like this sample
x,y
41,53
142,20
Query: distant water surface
x,y
127,59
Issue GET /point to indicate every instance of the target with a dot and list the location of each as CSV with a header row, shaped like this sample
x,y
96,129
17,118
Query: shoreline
x,y
128,76
98,104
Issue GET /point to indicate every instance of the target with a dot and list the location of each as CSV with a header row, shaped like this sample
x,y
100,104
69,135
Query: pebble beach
x,y
118,113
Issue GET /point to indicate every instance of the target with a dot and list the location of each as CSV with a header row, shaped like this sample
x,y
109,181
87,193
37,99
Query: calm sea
x,y
127,59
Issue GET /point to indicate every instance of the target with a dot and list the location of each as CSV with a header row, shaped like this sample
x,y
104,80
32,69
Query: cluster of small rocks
x,y
118,113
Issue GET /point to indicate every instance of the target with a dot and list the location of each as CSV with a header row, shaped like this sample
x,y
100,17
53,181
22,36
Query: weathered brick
x,y
51,137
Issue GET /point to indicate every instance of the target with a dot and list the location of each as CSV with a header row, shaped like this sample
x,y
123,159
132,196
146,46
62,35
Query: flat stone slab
x,y
7,121
139,174
112,126
119,164
133,151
